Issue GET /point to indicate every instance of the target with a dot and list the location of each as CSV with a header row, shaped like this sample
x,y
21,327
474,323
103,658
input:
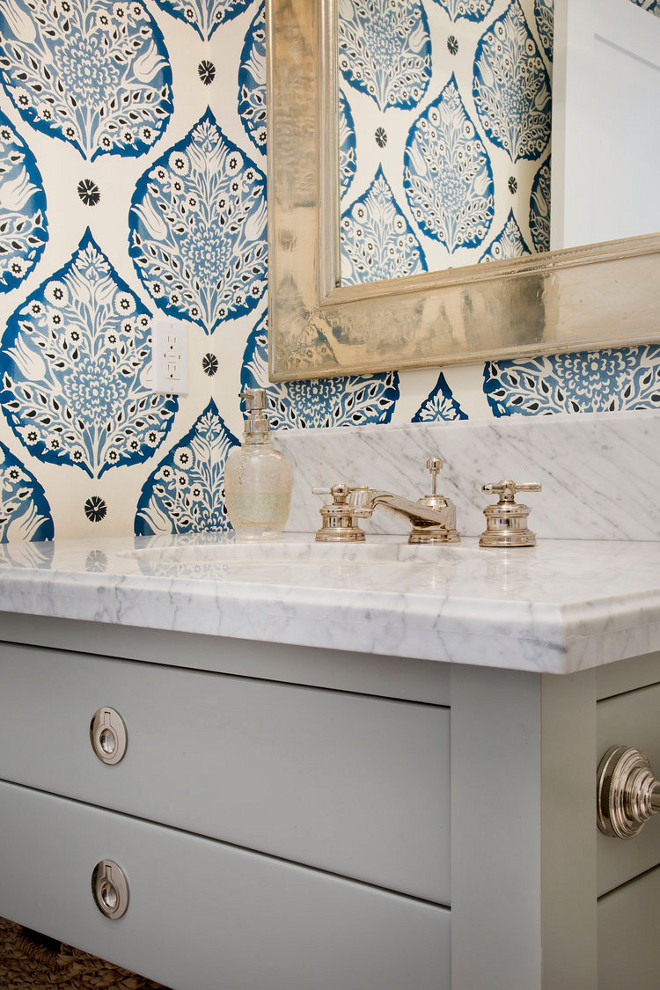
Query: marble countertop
x,y
561,606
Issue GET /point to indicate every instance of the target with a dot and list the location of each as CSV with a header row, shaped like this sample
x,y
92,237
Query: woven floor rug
x,y
29,961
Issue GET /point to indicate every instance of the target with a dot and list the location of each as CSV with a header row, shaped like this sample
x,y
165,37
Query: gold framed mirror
x,y
589,297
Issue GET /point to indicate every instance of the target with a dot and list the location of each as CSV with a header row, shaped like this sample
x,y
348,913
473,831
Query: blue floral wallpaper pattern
x,y
447,174
24,510
185,494
470,135
471,10
511,87
347,160
172,95
205,16
651,5
74,365
440,404
23,222
385,50
377,240
588,381
509,243
198,229
95,74
539,210
544,16
252,81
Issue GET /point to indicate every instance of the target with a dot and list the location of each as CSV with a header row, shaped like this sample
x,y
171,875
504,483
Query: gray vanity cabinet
x,y
289,818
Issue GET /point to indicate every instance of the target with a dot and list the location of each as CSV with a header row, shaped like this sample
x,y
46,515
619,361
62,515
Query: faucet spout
x,y
366,500
430,523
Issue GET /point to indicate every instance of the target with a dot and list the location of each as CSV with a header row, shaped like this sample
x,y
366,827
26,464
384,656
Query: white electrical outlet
x,y
169,356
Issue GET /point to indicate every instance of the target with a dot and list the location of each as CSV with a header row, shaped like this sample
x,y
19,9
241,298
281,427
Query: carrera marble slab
x,y
560,606
600,472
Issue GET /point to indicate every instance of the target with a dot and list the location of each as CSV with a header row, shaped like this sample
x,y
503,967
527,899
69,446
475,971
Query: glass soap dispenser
x,y
258,477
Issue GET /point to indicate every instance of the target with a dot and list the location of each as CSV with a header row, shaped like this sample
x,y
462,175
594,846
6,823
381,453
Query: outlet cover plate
x,y
169,357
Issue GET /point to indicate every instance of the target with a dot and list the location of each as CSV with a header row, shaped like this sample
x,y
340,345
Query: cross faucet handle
x,y
507,490
339,493
506,522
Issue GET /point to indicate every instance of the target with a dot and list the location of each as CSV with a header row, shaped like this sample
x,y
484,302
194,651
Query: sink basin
x,y
301,552
293,560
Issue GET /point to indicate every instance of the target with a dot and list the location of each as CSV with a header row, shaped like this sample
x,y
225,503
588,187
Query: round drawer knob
x,y
628,793
110,889
108,735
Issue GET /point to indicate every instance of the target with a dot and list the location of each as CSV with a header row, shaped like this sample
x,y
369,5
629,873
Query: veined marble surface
x,y
560,606
600,472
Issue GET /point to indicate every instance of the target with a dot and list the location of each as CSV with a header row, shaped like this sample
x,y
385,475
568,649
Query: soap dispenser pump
x,y
258,477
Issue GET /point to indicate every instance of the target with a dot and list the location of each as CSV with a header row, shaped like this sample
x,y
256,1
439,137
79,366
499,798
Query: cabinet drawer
x,y
628,935
348,783
202,915
631,719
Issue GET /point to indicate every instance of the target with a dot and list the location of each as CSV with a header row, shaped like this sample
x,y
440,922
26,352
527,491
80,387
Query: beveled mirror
x,y
583,297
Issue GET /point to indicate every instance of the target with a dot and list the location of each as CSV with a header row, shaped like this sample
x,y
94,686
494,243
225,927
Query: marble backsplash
x,y
600,473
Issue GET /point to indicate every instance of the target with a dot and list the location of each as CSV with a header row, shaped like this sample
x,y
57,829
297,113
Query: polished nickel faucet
x,y
433,517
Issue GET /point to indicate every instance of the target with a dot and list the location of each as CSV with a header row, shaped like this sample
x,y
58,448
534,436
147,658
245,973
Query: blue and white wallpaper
x,y
446,120
132,185
652,5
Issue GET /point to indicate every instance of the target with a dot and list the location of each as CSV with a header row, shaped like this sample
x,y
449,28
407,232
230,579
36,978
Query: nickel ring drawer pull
x,y
110,889
628,792
108,735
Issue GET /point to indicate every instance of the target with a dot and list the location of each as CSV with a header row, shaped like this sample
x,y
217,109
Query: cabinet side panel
x,y
496,822
568,831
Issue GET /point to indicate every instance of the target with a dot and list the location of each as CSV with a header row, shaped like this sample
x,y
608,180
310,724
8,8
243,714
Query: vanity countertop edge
x,y
559,607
